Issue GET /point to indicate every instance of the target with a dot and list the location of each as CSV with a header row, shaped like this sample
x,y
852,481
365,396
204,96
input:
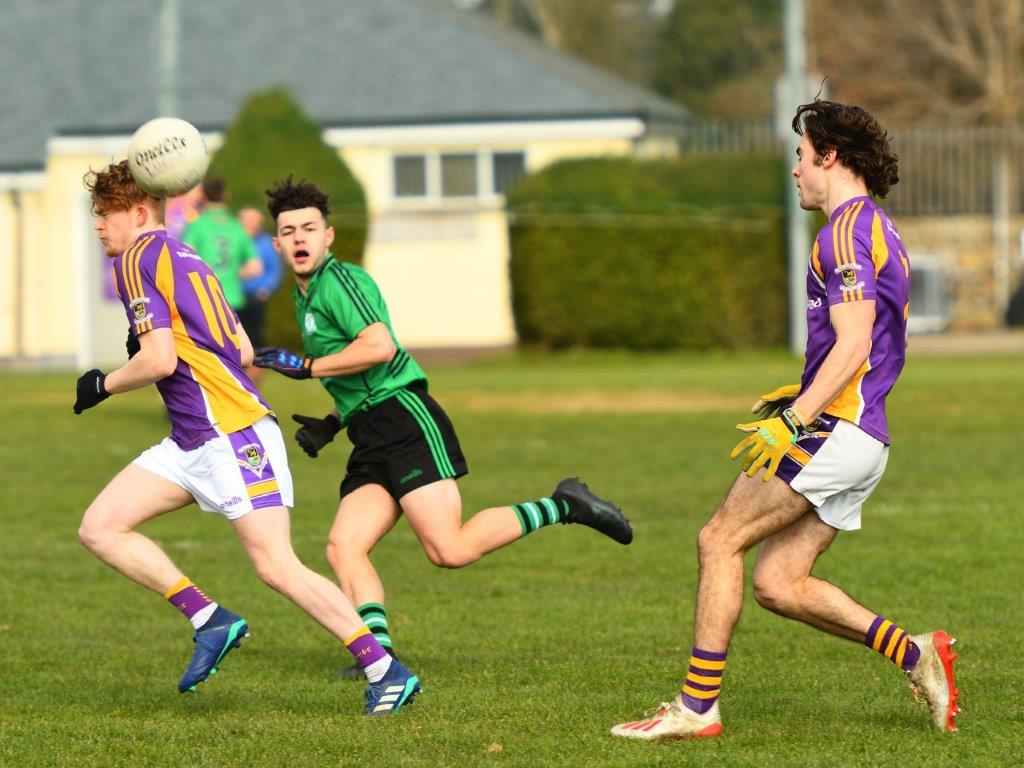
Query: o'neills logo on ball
x,y
168,145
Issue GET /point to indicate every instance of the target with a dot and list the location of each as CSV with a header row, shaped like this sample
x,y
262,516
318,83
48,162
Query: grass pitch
x,y
530,655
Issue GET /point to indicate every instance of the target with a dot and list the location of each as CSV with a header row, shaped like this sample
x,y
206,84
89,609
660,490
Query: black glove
x,y
132,346
315,433
90,390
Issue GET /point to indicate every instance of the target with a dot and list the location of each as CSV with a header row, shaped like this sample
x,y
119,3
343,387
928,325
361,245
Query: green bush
x,y
270,138
649,254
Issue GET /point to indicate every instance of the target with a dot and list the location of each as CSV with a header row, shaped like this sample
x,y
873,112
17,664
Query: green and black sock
x,y
376,619
536,514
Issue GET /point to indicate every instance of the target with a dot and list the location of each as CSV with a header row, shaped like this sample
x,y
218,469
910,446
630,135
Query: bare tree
x,y
942,60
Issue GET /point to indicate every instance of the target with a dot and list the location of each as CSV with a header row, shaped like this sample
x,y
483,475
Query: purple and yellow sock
x,y
369,654
703,680
191,601
893,643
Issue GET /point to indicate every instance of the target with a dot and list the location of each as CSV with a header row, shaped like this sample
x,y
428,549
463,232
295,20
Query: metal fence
x,y
943,170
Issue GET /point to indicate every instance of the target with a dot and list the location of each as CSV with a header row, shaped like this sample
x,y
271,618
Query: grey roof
x,y
92,67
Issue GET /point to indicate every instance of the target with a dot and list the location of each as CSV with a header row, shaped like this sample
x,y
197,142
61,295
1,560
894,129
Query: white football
x,y
167,156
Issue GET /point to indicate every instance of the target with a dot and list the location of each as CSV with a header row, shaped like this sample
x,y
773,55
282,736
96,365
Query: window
x,y
425,178
410,176
458,175
509,167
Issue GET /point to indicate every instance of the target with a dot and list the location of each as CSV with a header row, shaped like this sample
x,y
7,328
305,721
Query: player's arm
x,y
846,272
156,359
252,264
246,349
371,347
853,323
149,314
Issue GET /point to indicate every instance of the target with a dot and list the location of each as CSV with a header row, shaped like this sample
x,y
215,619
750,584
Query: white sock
x,y
378,669
203,615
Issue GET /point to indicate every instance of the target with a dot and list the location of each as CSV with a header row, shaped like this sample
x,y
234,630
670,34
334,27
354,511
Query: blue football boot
x,y
397,688
223,631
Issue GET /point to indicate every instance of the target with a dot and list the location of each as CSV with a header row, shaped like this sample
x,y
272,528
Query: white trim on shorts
x,y
211,472
842,474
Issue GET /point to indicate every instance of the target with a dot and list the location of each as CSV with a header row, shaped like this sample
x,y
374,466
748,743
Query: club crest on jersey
x,y
310,323
848,274
255,460
139,310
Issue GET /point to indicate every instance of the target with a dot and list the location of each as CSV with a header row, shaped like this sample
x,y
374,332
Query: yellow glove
x,y
773,403
769,442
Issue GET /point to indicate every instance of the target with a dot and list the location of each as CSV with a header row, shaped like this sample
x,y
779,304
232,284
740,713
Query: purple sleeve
x,y
844,253
143,268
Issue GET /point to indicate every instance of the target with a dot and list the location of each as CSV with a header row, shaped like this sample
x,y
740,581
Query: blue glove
x,y
284,361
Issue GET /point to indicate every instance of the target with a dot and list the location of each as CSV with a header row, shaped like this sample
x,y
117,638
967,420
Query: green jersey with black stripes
x,y
341,300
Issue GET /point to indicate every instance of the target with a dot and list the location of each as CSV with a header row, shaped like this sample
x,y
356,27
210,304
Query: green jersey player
x,y
223,243
406,456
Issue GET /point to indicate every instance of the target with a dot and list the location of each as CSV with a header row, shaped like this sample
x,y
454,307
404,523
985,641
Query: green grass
x,y
541,647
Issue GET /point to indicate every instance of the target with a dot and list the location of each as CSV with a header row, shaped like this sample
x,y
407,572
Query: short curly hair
x,y
861,144
289,195
113,189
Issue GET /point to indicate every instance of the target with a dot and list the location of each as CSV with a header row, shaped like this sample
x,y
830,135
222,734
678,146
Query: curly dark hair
x,y
288,195
113,190
861,144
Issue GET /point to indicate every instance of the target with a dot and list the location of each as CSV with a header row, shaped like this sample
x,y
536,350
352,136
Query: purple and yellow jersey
x,y
858,256
164,284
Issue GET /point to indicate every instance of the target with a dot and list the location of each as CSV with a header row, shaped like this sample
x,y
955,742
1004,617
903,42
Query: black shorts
x,y
404,443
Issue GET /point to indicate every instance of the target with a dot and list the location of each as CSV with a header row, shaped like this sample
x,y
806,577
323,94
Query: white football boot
x,y
931,679
673,721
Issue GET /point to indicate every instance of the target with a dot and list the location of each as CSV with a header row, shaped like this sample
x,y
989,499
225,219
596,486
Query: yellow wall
x,y
443,265
8,237
33,247
57,240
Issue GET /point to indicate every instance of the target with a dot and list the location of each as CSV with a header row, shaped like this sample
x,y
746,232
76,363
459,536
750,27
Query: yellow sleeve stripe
x,y
847,244
835,239
879,248
131,270
126,271
816,261
136,272
261,488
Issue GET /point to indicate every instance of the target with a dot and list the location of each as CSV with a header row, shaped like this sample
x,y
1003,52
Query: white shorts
x,y
836,469
231,474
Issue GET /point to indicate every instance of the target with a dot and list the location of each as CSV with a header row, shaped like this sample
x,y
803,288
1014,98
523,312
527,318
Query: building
x,y
436,111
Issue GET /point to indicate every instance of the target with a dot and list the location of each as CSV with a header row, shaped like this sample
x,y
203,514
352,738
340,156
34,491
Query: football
x,y
167,156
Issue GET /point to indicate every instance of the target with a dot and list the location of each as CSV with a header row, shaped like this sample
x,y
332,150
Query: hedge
x,y
270,138
650,254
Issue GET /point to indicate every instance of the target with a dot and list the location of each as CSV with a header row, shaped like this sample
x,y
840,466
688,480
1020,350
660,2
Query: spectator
x,y
258,290
182,211
221,242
